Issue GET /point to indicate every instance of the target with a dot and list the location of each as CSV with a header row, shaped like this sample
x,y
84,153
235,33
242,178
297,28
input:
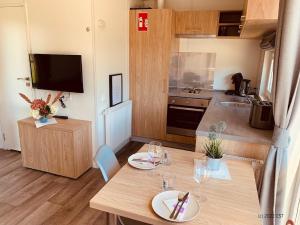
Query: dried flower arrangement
x,y
41,109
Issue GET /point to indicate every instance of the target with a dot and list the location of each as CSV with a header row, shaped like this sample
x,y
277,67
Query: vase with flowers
x,y
213,149
40,109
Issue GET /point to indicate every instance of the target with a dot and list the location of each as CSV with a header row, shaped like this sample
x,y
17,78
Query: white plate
x,y
163,211
140,165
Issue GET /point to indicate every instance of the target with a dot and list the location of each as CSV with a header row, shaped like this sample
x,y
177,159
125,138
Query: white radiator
x,y
118,125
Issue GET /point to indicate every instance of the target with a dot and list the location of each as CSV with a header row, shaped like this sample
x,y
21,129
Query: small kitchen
x,y
195,64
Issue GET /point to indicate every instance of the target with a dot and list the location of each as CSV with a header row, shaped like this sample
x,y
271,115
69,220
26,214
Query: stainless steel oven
x,y
184,115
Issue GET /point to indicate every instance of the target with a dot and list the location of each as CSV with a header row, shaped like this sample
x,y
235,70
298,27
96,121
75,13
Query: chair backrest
x,y
107,162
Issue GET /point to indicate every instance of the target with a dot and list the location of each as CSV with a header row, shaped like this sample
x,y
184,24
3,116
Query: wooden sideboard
x,y
64,148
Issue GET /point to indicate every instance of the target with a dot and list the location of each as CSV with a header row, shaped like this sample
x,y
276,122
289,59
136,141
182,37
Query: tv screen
x,y
56,72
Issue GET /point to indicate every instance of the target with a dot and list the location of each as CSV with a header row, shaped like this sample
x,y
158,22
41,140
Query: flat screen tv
x,y
56,72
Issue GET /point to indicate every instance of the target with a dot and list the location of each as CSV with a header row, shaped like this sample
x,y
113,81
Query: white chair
x,y
109,166
107,162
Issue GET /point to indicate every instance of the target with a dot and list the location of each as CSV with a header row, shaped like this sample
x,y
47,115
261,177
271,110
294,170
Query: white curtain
x,y
278,191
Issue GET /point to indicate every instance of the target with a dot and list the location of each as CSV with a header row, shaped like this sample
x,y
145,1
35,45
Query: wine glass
x,y
165,158
201,175
201,172
155,151
154,154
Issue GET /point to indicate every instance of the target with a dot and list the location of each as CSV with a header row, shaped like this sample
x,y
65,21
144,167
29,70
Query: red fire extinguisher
x,y
143,21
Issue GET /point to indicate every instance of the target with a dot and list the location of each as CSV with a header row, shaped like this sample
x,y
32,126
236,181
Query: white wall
x,y
57,26
111,51
1,138
13,65
233,55
60,26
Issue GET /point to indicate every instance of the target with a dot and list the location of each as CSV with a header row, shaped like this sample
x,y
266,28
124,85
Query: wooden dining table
x,y
224,202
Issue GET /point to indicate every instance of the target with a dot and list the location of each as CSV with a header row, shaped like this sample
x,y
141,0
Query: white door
x,y
13,64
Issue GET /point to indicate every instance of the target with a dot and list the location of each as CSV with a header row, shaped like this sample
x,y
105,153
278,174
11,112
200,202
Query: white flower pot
x,y
213,164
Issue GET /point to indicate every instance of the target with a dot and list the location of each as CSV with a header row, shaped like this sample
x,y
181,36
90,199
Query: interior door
x,y
14,64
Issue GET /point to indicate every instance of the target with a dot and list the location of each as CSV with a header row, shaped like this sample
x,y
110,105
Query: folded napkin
x,y
38,124
171,203
222,173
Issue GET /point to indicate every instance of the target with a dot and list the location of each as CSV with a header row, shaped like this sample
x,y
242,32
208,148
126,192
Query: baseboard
x,y
120,146
13,150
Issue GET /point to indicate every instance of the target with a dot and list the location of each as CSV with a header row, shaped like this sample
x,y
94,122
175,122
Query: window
x,y
270,76
266,83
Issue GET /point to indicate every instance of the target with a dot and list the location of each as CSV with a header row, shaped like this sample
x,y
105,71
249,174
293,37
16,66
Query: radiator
x,y
118,125
257,166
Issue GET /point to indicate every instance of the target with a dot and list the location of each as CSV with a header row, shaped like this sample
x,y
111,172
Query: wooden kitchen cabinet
x,y
64,148
197,23
150,55
259,17
249,150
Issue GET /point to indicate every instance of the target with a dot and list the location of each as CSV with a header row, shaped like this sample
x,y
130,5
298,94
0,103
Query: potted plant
x,y
213,149
40,109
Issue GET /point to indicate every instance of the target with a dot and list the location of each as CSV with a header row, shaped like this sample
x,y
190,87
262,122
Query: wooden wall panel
x,y
150,55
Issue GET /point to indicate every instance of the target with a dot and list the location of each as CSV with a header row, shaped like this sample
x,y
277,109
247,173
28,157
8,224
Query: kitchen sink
x,y
235,104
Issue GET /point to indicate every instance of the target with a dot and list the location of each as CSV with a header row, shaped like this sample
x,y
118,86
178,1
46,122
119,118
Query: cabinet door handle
x,y
196,30
187,109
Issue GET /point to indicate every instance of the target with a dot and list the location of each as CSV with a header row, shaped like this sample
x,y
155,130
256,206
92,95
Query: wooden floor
x,y
30,197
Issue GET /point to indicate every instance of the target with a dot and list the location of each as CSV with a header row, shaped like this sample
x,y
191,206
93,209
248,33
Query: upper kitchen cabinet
x,y
259,17
152,41
202,23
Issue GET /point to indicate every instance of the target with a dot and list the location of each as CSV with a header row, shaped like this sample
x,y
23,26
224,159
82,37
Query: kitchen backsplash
x,y
192,70
232,56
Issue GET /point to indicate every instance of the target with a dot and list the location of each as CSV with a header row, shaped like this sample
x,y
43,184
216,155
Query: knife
x,y
146,161
183,200
141,160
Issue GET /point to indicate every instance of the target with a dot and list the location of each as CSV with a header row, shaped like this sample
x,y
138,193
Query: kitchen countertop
x,y
236,118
